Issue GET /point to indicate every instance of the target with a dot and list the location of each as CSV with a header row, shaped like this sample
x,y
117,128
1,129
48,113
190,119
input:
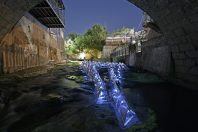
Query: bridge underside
x,y
178,21
11,13
45,13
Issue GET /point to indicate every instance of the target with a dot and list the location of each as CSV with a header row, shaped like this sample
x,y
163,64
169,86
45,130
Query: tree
x,y
72,36
70,47
80,43
95,37
91,42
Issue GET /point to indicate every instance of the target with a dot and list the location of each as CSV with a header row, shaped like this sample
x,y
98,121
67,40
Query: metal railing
x,y
126,49
121,50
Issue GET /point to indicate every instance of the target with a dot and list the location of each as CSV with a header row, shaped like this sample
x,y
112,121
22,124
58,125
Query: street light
x,y
133,42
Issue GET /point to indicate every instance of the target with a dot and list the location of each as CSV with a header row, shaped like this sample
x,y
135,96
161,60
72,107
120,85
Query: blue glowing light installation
x,y
100,89
125,115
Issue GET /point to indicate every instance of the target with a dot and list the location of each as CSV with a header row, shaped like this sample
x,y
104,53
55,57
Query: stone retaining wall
x,y
29,44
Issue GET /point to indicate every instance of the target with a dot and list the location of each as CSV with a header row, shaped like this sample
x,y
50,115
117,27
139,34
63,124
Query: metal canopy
x,y
49,13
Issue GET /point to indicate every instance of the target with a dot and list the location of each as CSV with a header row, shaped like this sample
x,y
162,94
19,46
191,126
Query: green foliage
x,y
121,32
91,42
80,43
95,37
71,48
72,36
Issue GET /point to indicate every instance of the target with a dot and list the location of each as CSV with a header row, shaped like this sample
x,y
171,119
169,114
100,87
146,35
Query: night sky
x,y
113,14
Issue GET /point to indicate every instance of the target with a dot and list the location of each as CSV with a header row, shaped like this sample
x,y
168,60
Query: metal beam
x,y
47,17
55,25
40,7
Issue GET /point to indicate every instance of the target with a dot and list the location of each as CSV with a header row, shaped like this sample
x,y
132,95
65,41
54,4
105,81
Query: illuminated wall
x,y
30,44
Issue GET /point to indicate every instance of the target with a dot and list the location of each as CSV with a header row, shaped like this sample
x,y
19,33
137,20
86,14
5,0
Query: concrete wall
x,y
156,56
11,13
131,59
107,49
30,44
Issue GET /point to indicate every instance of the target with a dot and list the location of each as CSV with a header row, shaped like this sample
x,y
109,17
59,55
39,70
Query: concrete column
x,y
4,59
11,59
27,62
30,61
39,55
14,58
22,59
1,60
17,58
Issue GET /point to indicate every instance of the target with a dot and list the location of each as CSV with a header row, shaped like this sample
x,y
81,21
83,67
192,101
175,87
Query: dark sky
x,y
113,14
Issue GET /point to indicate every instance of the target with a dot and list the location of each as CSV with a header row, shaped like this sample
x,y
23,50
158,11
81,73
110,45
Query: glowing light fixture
x,y
82,55
133,41
125,115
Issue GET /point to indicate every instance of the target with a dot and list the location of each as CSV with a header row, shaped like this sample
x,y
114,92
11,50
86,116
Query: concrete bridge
x,y
178,21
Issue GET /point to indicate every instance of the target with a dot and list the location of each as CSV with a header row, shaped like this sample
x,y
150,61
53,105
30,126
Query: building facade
x,y
37,38
119,45
112,43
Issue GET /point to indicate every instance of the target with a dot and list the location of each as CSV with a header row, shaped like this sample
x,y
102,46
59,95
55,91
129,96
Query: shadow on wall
x,y
12,11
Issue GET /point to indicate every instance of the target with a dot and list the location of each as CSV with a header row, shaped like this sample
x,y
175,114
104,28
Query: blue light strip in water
x,y
100,89
125,115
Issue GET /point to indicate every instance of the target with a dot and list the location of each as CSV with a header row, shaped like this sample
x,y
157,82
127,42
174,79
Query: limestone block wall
x,y
29,44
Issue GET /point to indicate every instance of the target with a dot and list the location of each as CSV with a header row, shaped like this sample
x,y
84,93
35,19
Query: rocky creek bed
x,y
61,101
